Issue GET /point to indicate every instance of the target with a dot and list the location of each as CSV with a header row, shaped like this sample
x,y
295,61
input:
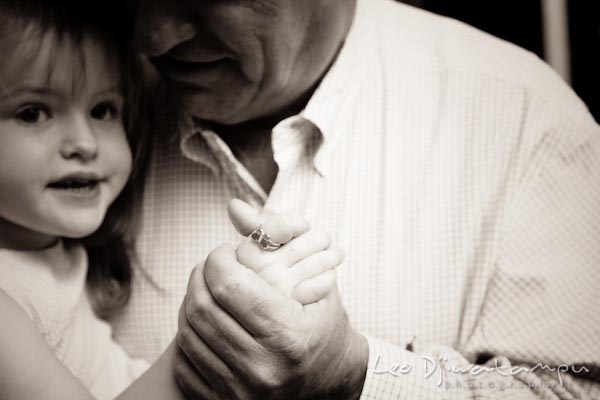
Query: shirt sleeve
x,y
539,324
443,373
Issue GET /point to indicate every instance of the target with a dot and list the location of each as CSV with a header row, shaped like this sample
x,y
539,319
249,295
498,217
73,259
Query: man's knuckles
x,y
219,260
198,306
226,290
185,338
266,378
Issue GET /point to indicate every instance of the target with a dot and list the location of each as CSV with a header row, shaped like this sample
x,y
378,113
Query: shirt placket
x,y
243,185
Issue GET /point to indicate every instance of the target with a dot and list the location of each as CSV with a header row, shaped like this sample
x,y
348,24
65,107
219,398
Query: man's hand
x,y
240,338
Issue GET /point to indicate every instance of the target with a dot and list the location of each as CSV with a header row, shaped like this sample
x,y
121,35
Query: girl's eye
x,y
33,114
105,111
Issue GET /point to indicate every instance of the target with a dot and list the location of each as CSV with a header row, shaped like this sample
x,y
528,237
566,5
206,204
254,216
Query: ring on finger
x,y
263,240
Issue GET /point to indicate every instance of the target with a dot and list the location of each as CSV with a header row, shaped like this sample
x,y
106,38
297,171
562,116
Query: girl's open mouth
x,y
75,184
79,184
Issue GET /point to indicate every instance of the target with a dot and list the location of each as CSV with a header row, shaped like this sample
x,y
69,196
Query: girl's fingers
x,y
315,289
244,217
287,279
316,264
281,228
250,255
302,247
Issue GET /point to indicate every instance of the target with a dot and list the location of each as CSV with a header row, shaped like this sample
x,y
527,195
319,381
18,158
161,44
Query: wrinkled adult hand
x,y
240,338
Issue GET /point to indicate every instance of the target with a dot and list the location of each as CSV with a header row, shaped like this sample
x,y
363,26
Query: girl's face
x,y
64,155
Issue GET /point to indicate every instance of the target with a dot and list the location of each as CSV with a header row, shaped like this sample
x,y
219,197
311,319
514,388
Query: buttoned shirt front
x,y
460,176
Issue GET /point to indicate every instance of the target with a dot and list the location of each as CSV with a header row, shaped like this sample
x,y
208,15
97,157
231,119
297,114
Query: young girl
x,y
72,151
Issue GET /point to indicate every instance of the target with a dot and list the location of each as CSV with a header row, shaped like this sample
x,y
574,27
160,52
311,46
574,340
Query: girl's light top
x,y
50,286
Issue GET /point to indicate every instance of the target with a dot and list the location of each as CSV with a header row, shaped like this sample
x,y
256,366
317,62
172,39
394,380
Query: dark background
x,y
521,23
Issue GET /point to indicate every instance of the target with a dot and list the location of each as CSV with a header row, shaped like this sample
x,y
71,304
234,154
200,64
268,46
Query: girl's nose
x,y
79,140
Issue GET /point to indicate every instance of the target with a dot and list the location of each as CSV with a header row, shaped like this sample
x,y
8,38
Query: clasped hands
x,y
261,324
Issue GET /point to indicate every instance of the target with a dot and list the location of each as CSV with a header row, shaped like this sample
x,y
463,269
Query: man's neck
x,y
250,142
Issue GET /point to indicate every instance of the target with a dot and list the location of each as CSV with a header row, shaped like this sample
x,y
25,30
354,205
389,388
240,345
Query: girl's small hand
x,y
304,267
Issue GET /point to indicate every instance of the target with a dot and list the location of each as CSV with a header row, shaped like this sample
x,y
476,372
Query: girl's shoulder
x,y
47,284
28,369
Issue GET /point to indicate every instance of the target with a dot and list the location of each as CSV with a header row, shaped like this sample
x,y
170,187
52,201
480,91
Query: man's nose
x,y
79,140
161,25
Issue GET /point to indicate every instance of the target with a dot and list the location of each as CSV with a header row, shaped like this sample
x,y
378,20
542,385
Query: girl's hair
x,y
111,248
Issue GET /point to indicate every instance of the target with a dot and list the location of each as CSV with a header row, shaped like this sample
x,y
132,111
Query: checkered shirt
x,y
462,178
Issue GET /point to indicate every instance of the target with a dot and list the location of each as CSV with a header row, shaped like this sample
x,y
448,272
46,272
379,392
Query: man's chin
x,y
219,110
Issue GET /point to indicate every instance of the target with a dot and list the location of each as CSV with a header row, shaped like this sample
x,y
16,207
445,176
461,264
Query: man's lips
x,y
197,57
182,70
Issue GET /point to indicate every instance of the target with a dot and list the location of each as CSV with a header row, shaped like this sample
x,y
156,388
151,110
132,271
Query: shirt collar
x,y
339,87
197,144
334,94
